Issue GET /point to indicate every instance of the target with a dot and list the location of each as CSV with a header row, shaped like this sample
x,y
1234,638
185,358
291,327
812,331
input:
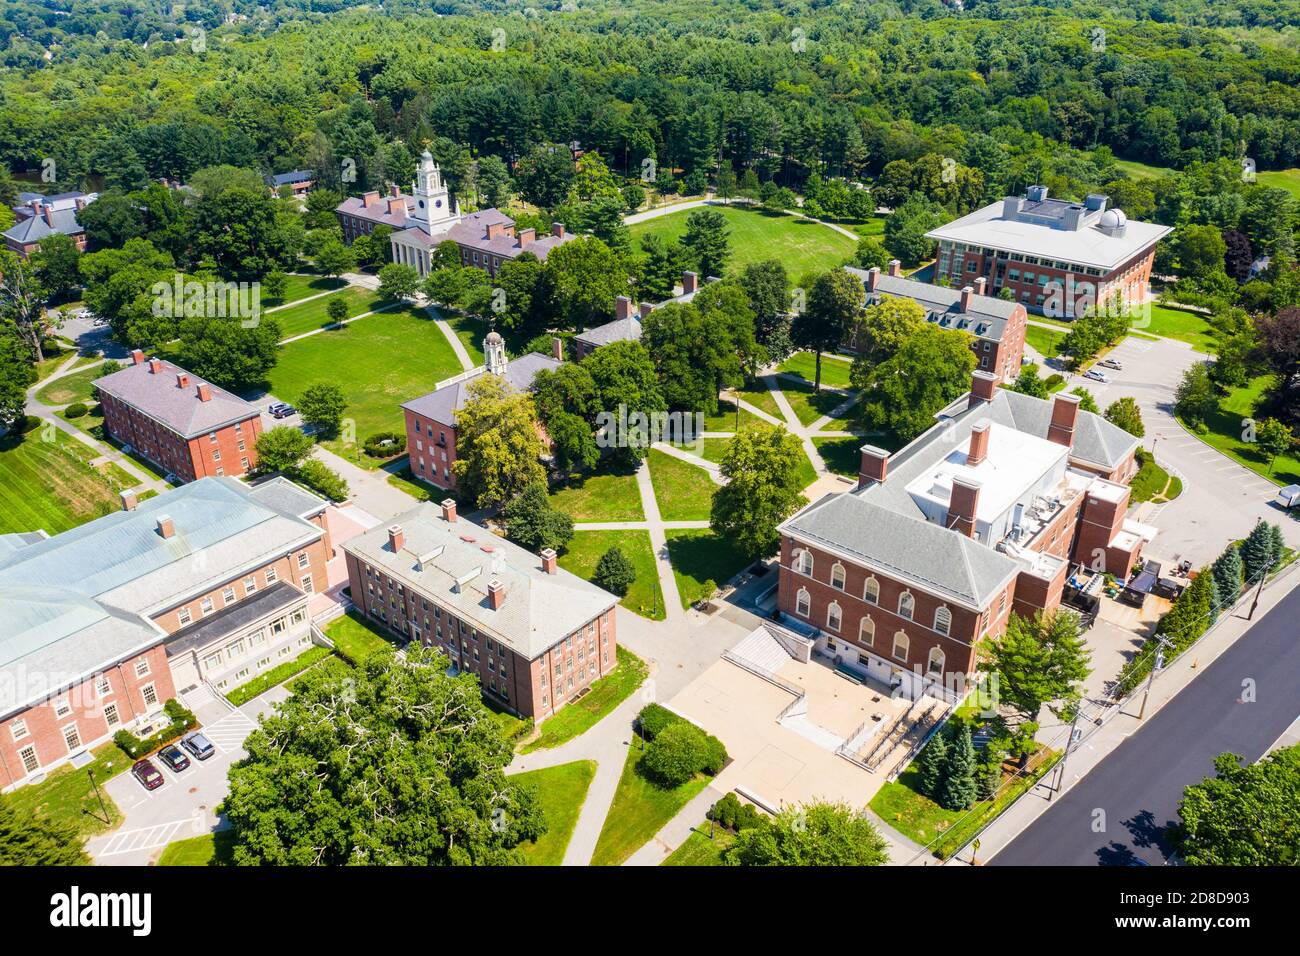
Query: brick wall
x,y
187,459
422,449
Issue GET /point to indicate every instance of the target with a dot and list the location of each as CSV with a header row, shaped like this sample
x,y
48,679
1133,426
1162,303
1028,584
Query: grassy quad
x,y
760,396
586,549
67,389
1225,434
684,491
1183,325
605,495
1044,341
801,245
51,485
835,371
309,316
699,556
577,718
561,791
700,850
842,456
809,405
299,286
379,363
726,420
715,449
356,638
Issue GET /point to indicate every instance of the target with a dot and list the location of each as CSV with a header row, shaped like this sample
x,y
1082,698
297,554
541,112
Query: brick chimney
x,y
394,189
962,506
129,499
449,510
47,213
204,391
397,207
895,267
80,203
979,444
548,560
1065,411
557,349
873,278
137,357
495,230
527,236
165,527
622,307
983,386
182,380
370,199
690,282
967,295
155,366
873,465
646,309
496,594
557,230
396,538
980,285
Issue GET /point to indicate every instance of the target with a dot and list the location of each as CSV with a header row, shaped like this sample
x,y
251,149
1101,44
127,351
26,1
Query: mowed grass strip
x,y
51,485
699,556
211,849
299,286
67,389
314,314
67,796
640,810
586,549
606,495
835,371
561,791
809,406
380,362
755,235
684,491
576,718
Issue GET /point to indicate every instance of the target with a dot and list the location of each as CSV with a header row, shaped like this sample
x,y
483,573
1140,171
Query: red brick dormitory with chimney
x,y
980,516
535,635
188,427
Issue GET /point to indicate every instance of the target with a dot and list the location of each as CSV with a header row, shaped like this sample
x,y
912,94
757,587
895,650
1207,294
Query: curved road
x,y
1135,791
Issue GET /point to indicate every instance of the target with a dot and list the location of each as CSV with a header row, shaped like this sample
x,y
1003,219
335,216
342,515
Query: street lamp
x,y
90,772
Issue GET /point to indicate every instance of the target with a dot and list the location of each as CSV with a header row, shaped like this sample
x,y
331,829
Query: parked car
x,y
1096,375
198,745
281,410
150,777
175,760
1116,364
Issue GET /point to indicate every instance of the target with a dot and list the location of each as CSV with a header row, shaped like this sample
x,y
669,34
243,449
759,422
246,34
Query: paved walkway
x,y
457,346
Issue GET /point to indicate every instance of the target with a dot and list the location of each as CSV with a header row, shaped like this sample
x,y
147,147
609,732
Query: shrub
x,y
654,719
676,755
30,423
181,719
317,476
385,445
614,572
1053,381
76,410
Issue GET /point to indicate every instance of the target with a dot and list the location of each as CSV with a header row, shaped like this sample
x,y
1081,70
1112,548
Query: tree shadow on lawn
x,y
706,556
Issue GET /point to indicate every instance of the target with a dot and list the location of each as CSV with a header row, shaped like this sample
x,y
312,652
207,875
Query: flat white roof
x,y
1014,463
1089,246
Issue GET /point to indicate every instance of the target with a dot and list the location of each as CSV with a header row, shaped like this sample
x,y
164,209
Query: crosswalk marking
x,y
145,838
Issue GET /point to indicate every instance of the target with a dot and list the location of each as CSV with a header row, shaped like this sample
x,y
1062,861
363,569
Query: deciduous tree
x,y
761,467
497,445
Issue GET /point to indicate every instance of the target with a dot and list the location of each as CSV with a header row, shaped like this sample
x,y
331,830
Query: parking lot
x,y
184,806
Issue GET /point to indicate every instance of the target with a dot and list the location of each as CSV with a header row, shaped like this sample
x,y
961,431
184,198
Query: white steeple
x,y
494,351
433,209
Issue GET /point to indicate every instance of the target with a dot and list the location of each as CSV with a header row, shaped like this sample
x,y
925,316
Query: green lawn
x,y
308,316
699,850
211,849
606,495
299,286
1045,341
755,235
277,675
1226,431
69,388
699,556
66,795
356,638
585,551
843,456
809,405
639,811
469,330
561,792
761,398
1153,483
577,718
380,362
51,485
684,491
1288,179
835,372
875,226
1190,327
1138,170
725,420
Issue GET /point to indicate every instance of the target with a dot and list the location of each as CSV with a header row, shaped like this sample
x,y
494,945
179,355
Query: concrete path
x,y
462,356
368,490
676,831
659,544
673,451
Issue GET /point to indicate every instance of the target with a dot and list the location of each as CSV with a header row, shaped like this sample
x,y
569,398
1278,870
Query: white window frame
x,y
867,631
838,576
901,640
905,600
871,591
937,656
803,603
943,620
834,616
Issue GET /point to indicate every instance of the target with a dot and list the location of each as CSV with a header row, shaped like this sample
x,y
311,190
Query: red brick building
x,y
206,584
983,514
535,635
188,427
38,217
1058,257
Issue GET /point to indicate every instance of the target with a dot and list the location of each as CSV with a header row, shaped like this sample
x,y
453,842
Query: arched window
x,y
867,632
906,605
833,616
901,644
943,620
837,576
936,662
803,562
871,591
802,603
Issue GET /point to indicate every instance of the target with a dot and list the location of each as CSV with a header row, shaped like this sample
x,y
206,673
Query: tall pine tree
x,y
959,788
1227,575
932,764
1257,552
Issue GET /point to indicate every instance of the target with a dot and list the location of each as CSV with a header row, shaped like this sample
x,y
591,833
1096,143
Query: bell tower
x,y
494,351
433,208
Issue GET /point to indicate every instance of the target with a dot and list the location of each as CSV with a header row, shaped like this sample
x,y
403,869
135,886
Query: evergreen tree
x,y
958,790
1279,545
1227,575
990,779
1257,553
614,572
930,765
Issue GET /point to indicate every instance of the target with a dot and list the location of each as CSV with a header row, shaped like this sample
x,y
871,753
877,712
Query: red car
x,y
150,777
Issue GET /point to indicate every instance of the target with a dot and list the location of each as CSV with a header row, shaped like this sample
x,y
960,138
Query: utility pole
x,y
90,771
1156,665
1255,603
1069,745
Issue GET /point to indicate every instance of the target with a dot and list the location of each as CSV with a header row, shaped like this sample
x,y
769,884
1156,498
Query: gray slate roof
x,y
987,318
287,498
540,609
228,620
620,330
293,176
35,228
471,231
377,213
442,404
157,395
75,603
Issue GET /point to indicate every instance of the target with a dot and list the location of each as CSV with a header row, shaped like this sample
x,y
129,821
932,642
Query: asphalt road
x,y
1139,786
